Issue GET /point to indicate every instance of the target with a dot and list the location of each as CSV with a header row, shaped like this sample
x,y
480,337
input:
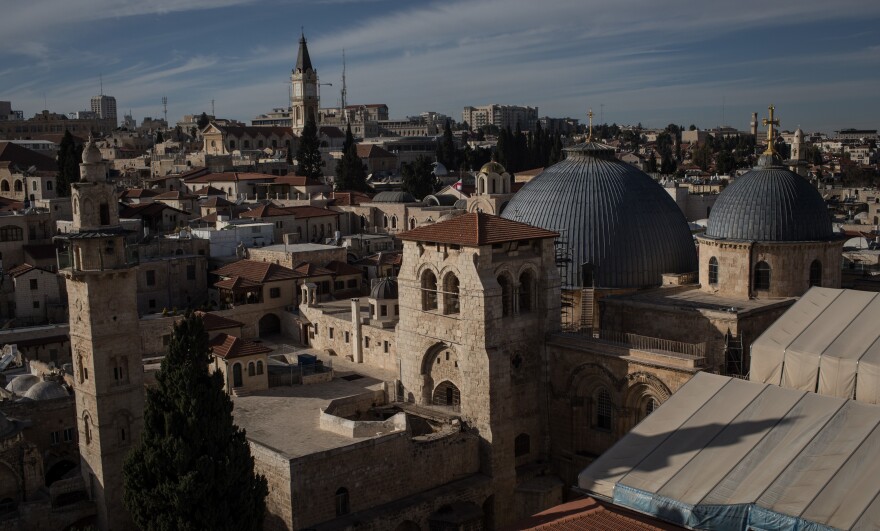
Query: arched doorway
x,y
447,394
269,324
236,375
58,471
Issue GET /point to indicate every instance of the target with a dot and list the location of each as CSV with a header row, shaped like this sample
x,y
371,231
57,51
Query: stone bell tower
x,y
304,90
104,337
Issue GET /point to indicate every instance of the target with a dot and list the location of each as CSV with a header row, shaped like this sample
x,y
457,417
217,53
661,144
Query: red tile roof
x,y
228,177
259,272
309,269
266,211
236,283
588,514
475,229
343,268
209,191
302,212
200,170
297,180
175,195
24,158
212,321
228,347
146,209
20,270
215,201
349,198
136,193
372,151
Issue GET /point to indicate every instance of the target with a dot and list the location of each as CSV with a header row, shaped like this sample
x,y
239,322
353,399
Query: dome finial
x,y
770,122
590,116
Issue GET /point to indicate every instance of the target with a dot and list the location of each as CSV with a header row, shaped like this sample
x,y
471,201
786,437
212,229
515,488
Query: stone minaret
x,y
304,85
104,338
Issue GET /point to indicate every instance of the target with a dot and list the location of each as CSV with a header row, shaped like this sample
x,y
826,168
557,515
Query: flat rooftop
x,y
298,247
692,298
286,419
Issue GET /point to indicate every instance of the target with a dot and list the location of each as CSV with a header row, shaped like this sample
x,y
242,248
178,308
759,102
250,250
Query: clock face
x,y
297,90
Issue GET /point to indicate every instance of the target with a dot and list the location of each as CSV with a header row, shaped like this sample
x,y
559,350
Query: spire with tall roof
x,y
303,61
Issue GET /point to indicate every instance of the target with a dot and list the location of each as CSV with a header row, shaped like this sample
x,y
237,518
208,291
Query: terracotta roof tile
x,y
24,158
365,151
135,193
215,201
475,229
20,270
227,177
259,272
266,211
209,191
228,347
175,194
588,514
388,258
349,198
309,269
212,321
342,268
302,212
296,180
234,283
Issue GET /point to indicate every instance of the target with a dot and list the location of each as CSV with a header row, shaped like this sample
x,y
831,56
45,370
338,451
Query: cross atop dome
x,y
590,116
770,122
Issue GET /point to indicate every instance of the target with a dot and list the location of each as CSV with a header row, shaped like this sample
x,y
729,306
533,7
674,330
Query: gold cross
x,y
590,137
770,122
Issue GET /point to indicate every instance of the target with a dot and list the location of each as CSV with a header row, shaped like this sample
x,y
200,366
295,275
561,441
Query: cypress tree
x,y
308,156
418,179
192,469
350,171
69,157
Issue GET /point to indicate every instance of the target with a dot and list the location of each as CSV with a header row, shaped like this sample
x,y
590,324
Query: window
x,y
190,272
11,233
87,429
330,332
346,337
450,294
33,283
713,271
259,367
151,304
56,437
104,213
352,283
506,295
252,369
366,342
815,273
526,287
36,305
386,346
762,276
342,501
274,293
604,408
68,435
383,310
339,285
521,445
429,290
34,186
48,185
650,405
151,277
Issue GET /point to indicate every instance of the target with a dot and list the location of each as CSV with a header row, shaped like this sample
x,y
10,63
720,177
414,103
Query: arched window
x,y
521,445
236,375
259,367
4,185
493,185
87,428
385,221
252,369
506,295
412,223
364,223
246,144
393,222
34,186
450,294
104,213
762,276
232,144
48,185
482,185
650,405
713,271
604,410
526,288
429,290
816,273
342,507
17,185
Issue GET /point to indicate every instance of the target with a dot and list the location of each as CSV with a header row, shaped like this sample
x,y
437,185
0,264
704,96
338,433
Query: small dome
x,y
394,197
46,390
384,289
493,167
798,134
770,203
91,153
21,384
440,170
461,204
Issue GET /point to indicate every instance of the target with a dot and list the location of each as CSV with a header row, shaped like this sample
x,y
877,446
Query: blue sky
x,y
634,61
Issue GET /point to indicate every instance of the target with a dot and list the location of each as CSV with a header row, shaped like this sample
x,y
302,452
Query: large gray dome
x,y
770,203
20,384
394,197
612,216
46,390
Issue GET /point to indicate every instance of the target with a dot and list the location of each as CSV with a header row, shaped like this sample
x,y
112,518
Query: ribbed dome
x,y
46,390
21,384
770,203
493,167
384,289
394,197
612,216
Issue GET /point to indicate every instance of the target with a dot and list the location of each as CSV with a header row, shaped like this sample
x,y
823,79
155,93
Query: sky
x,y
632,61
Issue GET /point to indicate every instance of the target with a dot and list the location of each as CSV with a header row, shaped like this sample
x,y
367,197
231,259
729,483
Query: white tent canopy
x,y
724,453
828,342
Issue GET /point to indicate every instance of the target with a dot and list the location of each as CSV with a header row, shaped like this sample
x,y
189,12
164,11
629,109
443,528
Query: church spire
x,y
303,61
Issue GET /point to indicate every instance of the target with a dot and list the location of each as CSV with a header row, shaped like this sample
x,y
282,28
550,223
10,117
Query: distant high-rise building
x,y
104,107
501,116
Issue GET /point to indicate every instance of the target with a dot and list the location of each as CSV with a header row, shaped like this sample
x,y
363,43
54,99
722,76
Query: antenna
x,y
165,108
344,88
212,109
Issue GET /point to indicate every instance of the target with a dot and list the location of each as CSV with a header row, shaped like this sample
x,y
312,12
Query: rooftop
x,y
476,229
692,298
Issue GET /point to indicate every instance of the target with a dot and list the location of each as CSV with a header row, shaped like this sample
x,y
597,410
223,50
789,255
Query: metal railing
x,y
692,350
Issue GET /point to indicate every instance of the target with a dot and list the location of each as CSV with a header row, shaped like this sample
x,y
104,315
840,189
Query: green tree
x,y
703,156
308,156
418,178
159,137
725,162
651,166
69,157
350,171
446,153
203,121
192,469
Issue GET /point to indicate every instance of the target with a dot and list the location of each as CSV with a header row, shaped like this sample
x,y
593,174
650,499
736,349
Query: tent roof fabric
x,y
725,453
828,342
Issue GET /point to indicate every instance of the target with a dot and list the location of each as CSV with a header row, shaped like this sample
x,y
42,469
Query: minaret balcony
x,y
74,262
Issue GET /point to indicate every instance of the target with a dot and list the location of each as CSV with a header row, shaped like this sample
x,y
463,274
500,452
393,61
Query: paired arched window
x,y
342,507
4,185
393,222
604,410
429,290
526,290
18,185
816,273
506,295
252,369
412,223
259,367
762,276
385,221
713,270
450,294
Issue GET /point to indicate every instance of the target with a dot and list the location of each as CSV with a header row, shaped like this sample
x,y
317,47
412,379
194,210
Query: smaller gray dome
x,y
21,384
46,390
394,197
384,289
461,204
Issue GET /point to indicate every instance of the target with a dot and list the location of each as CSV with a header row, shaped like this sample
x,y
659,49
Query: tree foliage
x,y
418,178
203,121
69,157
350,171
192,469
446,152
308,156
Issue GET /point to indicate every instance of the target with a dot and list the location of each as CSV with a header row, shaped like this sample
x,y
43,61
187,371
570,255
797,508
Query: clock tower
x,y
101,280
304,95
